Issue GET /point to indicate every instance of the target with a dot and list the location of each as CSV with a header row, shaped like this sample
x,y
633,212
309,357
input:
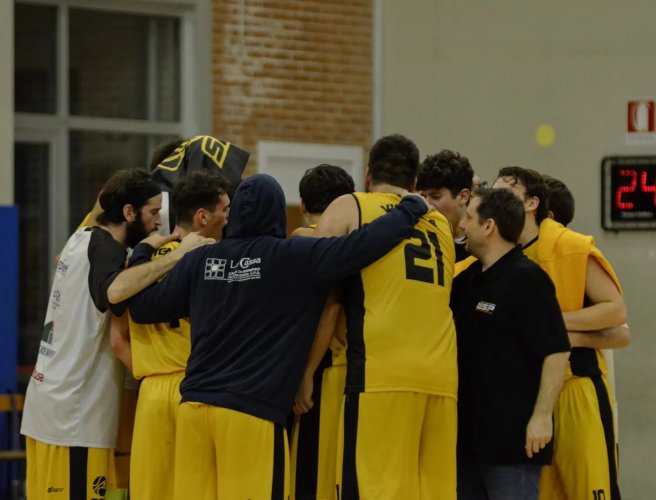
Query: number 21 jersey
x,y
400,330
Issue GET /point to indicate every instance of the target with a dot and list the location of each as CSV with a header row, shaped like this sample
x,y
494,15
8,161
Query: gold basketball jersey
x,y
400,330
160,348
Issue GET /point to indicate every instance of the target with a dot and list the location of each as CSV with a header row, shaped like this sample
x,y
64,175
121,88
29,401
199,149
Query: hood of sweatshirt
x,y
258,209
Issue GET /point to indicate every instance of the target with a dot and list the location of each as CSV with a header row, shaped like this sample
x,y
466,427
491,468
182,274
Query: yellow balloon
x,y
545,135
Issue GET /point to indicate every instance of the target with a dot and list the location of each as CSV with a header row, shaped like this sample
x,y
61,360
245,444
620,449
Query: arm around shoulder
x,y
133,280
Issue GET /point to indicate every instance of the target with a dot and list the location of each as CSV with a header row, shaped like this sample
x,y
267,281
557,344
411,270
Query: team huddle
x,y
428,338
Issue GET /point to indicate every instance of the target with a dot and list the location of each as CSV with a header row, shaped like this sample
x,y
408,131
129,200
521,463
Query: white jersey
x,y
74,394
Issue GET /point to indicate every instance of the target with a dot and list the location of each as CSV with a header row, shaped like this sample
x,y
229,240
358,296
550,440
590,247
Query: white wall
x,y
479,77
6,102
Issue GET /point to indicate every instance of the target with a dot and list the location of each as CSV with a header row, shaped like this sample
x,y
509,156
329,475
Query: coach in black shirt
x,y
512,354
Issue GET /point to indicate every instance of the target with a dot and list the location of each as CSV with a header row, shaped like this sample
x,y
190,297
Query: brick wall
x,y
293,71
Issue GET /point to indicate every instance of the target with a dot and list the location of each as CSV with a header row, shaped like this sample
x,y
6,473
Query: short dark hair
x,y
561,200
320,185
534,185
446,169
505,208
394,159
197,189
126,187
163,151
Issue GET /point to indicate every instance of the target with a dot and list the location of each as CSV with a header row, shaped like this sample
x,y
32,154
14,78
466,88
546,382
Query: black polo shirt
x,y
507,321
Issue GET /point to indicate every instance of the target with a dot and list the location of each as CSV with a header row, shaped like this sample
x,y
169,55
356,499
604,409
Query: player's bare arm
x,y
340,218
119,339
325,333
607,309
616,337
133,280
539,430
303,231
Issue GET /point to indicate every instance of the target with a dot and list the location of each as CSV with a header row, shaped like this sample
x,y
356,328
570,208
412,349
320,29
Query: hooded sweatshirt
x,y
254,299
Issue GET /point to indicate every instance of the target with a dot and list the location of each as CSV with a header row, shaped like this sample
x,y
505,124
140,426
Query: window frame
x,y
195,91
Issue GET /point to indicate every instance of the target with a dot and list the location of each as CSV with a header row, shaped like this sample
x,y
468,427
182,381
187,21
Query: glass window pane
x,y
94,157
124,65
35,49
166,40
31,163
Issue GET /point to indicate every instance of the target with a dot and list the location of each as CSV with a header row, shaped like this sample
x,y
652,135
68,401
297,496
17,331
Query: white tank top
x,y
73,397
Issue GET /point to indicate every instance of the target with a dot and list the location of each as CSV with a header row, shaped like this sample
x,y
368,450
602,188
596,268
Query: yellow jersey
x,y
160,348
400,330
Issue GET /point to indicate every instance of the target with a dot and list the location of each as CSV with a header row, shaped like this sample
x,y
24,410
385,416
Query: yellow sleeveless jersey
x,y
400,330
160,348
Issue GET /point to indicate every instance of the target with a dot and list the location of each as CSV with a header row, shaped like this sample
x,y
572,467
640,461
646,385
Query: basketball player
x,y
72,402
160,351
319,399
445,179
589,294
399,424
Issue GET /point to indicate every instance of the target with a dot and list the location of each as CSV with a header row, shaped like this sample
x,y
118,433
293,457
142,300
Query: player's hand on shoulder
x,y
193,241
156,240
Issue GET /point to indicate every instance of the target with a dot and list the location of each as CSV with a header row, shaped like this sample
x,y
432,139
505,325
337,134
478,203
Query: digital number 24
x,y
414,252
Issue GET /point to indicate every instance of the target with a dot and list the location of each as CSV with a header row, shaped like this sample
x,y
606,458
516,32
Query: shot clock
x,y
628,192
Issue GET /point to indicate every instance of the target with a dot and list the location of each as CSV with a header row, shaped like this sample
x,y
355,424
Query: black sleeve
x,y
543,327
141,254
332,259
168,299
106,260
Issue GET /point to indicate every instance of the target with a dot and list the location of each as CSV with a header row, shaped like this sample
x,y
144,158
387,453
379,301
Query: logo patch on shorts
x,y
100,485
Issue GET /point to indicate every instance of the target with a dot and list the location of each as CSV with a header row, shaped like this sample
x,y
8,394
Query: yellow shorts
x,y
59,472
585,456
222,453
118,478
153,445
397,445
314,441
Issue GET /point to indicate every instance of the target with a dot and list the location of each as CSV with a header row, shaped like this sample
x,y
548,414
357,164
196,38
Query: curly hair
x,y
446,169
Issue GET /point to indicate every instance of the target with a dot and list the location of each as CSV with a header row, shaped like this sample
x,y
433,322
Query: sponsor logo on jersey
x,y
56,299
485,307
244,269
38,376
46,351
62,267
52,489
388,207
47,332
163,251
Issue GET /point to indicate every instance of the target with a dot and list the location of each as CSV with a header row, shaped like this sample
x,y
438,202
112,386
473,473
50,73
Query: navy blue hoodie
x,y
255,298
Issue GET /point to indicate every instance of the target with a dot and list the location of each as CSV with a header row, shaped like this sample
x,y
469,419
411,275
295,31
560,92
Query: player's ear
x,y
490,225
200,217
129,213
367,180
465,196
532,203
